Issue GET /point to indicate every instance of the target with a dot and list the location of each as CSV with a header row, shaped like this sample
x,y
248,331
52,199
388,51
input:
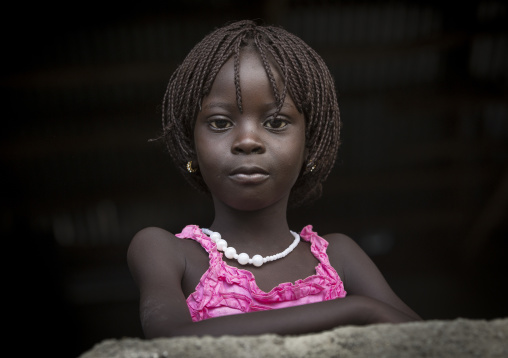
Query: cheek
x,y
294,157
300,147
210,157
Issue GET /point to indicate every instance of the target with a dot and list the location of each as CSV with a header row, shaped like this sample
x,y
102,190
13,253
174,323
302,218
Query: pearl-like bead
x,y
243,259
215,236
222,245
257,260
230,252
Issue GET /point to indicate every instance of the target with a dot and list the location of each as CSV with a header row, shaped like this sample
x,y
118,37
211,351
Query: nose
x,y
248,140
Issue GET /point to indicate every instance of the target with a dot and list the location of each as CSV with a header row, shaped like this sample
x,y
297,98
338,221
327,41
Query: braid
x,y
237,76
306,79
268,69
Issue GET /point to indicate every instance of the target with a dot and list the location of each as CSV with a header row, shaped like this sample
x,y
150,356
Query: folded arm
x,y
158,266
314,317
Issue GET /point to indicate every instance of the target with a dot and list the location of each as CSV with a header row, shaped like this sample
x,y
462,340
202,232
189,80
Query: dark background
x,y
421,182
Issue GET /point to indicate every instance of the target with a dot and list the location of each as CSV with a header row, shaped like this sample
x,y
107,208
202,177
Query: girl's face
x,y
248,159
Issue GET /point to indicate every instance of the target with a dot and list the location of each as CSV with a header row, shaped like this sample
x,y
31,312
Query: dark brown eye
x,y
220,124
276,123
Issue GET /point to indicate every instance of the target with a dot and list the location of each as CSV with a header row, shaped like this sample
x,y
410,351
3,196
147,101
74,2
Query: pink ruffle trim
x,y
225,290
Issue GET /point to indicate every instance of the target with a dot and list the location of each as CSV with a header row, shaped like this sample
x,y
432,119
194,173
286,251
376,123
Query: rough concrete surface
x,y
455,338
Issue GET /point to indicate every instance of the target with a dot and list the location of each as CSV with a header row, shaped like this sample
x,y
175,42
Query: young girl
x,y
251,117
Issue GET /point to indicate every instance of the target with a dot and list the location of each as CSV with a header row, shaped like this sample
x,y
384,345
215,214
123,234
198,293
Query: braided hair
x,y
306,79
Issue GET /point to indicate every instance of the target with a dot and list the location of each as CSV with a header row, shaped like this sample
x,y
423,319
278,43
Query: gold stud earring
x,y
311,166
190,169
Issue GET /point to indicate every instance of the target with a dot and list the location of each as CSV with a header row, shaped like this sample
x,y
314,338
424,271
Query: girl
x,y
251,117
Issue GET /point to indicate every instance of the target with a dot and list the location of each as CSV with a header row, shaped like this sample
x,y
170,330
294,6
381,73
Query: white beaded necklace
x,y
243,258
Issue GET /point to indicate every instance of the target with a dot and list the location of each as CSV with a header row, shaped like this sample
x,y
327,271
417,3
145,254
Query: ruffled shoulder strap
x,y
318,245
193,232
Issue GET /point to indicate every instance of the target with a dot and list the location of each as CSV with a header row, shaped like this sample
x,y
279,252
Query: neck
x,y
265,228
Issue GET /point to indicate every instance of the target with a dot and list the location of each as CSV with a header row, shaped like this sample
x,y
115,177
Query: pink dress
x,y
226,290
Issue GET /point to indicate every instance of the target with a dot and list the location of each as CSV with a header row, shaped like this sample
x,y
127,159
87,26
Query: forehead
x,y
247,74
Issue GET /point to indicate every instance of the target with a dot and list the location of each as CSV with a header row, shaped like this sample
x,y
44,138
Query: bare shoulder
x,y
341,245
151,238
344,254
151,233
155,254
154,250
338,238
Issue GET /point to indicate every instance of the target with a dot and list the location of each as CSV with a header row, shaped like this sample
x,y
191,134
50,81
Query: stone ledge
x,y
456,338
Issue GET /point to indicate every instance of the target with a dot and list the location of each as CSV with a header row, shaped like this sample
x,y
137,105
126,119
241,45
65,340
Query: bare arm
x,y
314,317
361,276
157,266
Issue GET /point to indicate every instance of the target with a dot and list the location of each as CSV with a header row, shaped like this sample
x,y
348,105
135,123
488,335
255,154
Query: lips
x,y
249,175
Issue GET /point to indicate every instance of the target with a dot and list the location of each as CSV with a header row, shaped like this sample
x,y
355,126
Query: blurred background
x,y
421,182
